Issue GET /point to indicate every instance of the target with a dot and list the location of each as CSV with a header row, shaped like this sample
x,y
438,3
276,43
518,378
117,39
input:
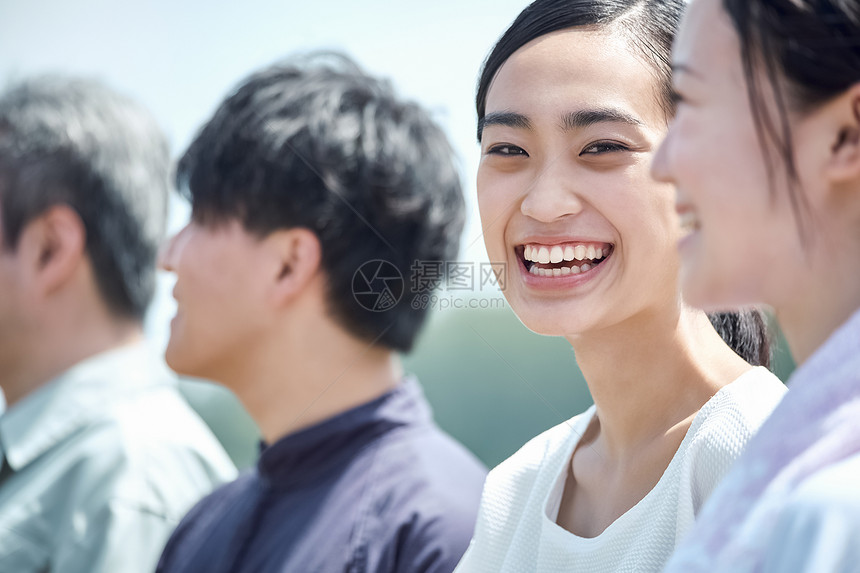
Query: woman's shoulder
x,y
832,487
515,491
529,473
725,424
741,406
544,450
819,523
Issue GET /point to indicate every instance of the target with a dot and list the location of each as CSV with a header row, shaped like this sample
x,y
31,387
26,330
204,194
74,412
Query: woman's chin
x,y
710,294
545,325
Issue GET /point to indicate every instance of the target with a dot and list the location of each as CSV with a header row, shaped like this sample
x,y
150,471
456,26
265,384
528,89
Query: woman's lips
x,y
687,217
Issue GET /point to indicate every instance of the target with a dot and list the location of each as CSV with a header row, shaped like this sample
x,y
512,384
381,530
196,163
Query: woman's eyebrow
x,y
503,118
574,120
583,118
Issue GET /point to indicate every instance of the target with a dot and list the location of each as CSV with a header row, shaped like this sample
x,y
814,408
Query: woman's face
x,y
742,243
564,189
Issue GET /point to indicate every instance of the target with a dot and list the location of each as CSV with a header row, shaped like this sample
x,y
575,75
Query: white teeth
x,y
565,270
574,270
533,270
556,272
543,255
689,222
557,253
585,267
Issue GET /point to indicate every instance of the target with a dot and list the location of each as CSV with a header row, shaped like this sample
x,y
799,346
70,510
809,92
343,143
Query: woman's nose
x,y
551,195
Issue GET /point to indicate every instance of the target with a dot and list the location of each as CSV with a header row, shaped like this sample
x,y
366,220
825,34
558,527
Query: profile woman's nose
x,y
660,166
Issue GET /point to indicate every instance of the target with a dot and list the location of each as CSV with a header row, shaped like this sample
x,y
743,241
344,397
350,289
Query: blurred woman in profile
x,y
765,151
572,103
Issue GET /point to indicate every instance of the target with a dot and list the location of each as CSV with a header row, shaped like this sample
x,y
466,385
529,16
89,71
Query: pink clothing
x,y
745,524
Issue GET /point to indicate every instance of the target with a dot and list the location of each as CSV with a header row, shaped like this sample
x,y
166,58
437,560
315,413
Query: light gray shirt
x,y
99,466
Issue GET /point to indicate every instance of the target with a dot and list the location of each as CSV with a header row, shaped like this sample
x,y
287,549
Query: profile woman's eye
x,y
603,147
506,150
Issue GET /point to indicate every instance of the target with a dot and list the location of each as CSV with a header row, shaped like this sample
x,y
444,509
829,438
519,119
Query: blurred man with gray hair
x,y
101,456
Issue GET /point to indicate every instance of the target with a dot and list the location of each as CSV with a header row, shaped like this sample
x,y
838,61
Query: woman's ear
x,y
844,164
297,257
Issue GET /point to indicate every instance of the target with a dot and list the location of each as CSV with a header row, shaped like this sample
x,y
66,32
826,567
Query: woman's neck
x,y
825,296
649,375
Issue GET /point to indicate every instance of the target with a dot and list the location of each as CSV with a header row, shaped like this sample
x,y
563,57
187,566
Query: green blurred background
x,y
493,384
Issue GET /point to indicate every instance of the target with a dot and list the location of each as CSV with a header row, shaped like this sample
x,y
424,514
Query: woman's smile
x,y
562,264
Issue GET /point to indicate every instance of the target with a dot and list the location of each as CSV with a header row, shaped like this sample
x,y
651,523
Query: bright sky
x,y
180,58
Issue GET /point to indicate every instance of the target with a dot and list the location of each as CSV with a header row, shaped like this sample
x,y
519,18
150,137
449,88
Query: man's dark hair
x,y
74,142
650,27
315,143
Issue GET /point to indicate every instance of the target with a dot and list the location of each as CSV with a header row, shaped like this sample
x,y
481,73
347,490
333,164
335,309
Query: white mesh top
x,y
517,532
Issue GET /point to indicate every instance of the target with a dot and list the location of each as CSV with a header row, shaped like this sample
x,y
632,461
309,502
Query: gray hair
x,y
74,142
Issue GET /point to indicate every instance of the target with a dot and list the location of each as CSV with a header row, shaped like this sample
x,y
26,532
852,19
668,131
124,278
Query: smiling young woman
x,y
572,103
765,151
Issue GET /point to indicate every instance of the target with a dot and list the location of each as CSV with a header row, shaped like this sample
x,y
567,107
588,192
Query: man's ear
x,y
52,246
298,255
844,163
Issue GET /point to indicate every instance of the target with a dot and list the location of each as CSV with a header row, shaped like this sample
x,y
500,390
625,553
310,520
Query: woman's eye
x,y
603,147
506,150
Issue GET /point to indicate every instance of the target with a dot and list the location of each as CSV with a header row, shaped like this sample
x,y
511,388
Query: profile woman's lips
x,y
687,217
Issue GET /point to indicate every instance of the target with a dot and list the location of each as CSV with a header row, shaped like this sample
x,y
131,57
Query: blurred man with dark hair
x,y
314,190
101,456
